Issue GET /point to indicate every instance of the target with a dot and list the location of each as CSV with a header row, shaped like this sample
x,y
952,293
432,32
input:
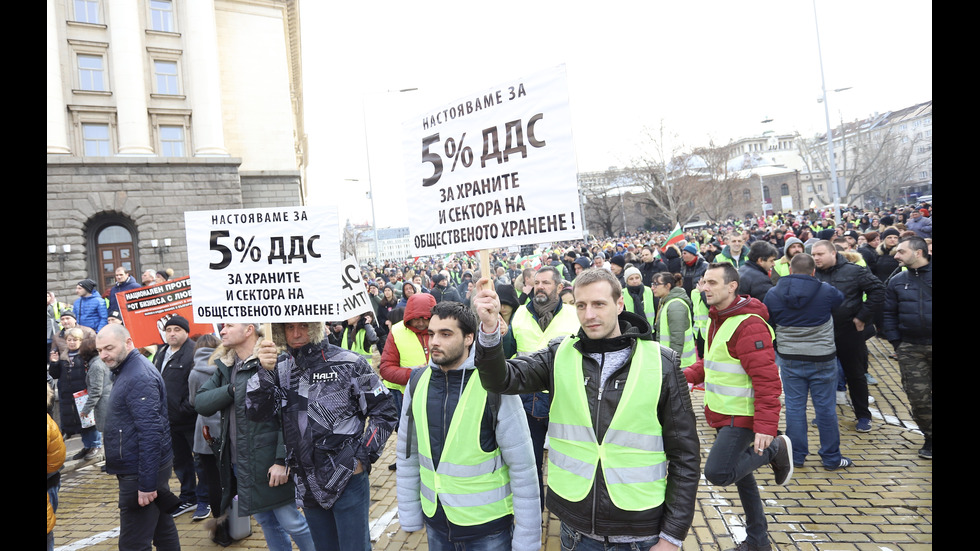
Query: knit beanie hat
x,y
890,231
584,262
631,271
179,321
88,285
691,249
619,260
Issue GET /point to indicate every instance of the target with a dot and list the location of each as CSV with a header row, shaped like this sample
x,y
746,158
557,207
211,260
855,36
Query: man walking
x,y
336,416
251,455
864,296
741,398
533,325
175,361
137,444
624,463
801,310
467,491
908,326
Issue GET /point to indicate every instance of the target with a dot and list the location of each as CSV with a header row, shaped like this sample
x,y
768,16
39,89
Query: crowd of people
x,y
476,370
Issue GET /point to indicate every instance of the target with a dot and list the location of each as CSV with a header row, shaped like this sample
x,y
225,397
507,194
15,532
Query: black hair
x,y
460,312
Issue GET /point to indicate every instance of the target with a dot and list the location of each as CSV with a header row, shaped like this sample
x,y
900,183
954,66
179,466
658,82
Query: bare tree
x,y
667,179
601,206
718,183
875,162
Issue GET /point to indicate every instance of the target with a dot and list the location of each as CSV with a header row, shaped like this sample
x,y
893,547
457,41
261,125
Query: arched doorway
x,y
114,247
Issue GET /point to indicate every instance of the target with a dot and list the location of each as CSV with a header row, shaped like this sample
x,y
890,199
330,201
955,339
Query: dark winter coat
x,y
71,379
908,307
258,445
137,434
753,281
855,282
127,285
180,411
886,263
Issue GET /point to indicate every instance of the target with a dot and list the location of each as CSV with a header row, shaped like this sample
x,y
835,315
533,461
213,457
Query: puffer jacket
x,y
753,281
390,365
596,512
307,382
908,307
258,443
137,433
886,263
759,362
855,282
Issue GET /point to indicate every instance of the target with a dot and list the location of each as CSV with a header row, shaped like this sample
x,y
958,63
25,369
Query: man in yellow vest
x,y
741,397
533,324
792,247
624,459
407,347
465,464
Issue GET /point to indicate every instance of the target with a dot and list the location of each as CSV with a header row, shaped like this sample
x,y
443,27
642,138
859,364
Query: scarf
x,y
545,311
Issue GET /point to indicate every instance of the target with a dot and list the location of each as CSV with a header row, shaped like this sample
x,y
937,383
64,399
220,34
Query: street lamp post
x,y
830,136
367,150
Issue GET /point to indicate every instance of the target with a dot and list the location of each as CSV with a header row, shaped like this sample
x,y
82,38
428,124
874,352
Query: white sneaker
x,y
841,397
871,399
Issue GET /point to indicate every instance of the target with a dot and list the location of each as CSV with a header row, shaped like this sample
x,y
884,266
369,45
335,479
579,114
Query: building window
x,y
162,15
87,11
95,140
91,73
172,141
784,189
165,73
746,195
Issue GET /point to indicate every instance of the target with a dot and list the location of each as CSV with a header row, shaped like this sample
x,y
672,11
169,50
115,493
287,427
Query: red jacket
x,y
751,344
419,305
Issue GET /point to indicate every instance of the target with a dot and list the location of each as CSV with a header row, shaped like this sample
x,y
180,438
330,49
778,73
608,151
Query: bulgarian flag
x,y
675,237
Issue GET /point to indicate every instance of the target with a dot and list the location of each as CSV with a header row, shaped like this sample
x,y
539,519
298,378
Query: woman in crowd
x,y
70,374
673,326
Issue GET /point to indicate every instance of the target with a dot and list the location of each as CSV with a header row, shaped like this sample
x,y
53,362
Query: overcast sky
x,y
709,70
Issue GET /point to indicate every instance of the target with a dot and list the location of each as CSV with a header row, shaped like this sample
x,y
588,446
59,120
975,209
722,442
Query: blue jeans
x,y
732,460
344,526
497,541
91,438
572,540
819,381
280,523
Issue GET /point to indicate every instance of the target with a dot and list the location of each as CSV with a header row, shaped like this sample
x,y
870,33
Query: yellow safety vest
x,y
472,485
529,335
782,268
410,351
689,354
647,304
358,343
631,454
727,387
700,313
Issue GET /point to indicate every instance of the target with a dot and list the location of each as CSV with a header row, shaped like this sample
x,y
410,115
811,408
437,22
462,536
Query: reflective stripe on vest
x,y
410,351
647,304
689,355
700,313
472,485
634,465
727,388
530,337
358,345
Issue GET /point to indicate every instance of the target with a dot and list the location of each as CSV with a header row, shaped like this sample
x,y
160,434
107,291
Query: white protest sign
x,y
355,296
497,168
273,265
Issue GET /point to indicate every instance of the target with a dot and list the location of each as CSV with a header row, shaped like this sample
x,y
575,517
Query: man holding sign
x,y
336,416
618,395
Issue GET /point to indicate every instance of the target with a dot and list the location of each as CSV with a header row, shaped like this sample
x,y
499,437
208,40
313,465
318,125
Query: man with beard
x,y
492,504
780,268
533,325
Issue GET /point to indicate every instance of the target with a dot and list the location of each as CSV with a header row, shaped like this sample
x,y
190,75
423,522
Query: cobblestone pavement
x,y
882,503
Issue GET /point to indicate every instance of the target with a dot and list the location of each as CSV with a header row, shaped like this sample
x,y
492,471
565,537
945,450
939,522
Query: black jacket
x,y
908,307
753,281
181,413
596,513
855,282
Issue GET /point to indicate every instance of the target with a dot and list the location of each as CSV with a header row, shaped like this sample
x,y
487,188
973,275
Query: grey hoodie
x,y
202,371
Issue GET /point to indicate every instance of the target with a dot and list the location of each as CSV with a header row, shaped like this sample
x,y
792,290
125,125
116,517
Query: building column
x,y
128,61
201,36
57,119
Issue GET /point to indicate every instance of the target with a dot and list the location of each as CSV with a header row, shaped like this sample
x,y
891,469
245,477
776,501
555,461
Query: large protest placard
x,y
355,300
497,168
273,265
145,311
